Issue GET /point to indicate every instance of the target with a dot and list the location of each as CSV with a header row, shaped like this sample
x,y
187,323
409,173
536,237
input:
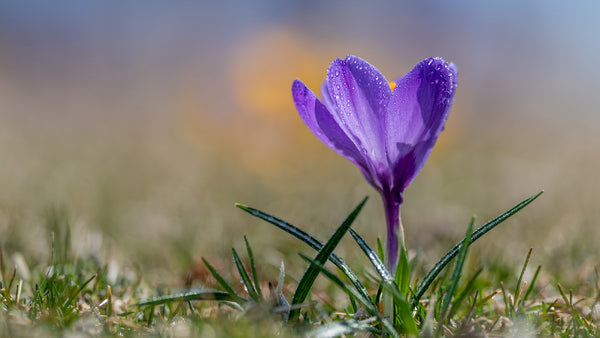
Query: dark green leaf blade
x,y
364,301
253,268
188,296
244,275
456,274
441,264
403,310
223,282
372,256
310,275
310,241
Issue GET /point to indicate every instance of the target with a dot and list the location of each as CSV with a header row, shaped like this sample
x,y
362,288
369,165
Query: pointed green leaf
x,y
244,275
312,272
188,296
518,287
441,264
533,280
224,283
456,274
253,268
371,309
310,241
402,277
402,309
458,300
372,256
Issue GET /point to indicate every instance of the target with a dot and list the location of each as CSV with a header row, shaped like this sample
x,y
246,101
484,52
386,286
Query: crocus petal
x,y
326,99
361,93
416,115
322,123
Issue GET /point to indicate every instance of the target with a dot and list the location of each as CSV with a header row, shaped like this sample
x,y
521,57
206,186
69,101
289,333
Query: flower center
x,y
392,85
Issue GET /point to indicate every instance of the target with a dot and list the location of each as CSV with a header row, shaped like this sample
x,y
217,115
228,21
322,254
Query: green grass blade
x,y
310,275
403,310
244,275
364,301
78,291
441,264
372,256
380,250
456,274
576,317
188,296
310,241
530,288
518,287
461,296
402,277
223,283
402,282
253,268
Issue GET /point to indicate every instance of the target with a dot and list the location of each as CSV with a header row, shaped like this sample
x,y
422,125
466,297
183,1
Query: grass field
x,y
91,226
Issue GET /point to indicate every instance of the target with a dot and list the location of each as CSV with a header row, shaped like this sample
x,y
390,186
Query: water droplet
x,y
337,73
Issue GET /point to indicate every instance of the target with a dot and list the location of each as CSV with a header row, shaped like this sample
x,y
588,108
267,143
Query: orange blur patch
x,y
392,85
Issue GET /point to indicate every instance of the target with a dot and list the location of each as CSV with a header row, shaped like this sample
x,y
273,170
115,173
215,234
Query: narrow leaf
x,y
188,296
533,280
223,282
456,274
441,264
253,268
310,241
402,307
310,275
78,291
402,277
365,302
461,296
380,250
372,256
244,275
518,287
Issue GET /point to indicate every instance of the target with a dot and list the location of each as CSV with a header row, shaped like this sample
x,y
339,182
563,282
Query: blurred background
x,y
141,124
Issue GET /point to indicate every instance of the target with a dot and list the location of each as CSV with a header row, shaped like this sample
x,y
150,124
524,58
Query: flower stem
x,y
395,237
395,231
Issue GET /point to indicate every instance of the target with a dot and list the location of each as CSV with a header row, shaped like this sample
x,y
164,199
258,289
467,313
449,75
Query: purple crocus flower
x,y
387,129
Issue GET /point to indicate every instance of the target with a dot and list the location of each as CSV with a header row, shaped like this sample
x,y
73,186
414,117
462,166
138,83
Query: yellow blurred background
x,y
144,122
